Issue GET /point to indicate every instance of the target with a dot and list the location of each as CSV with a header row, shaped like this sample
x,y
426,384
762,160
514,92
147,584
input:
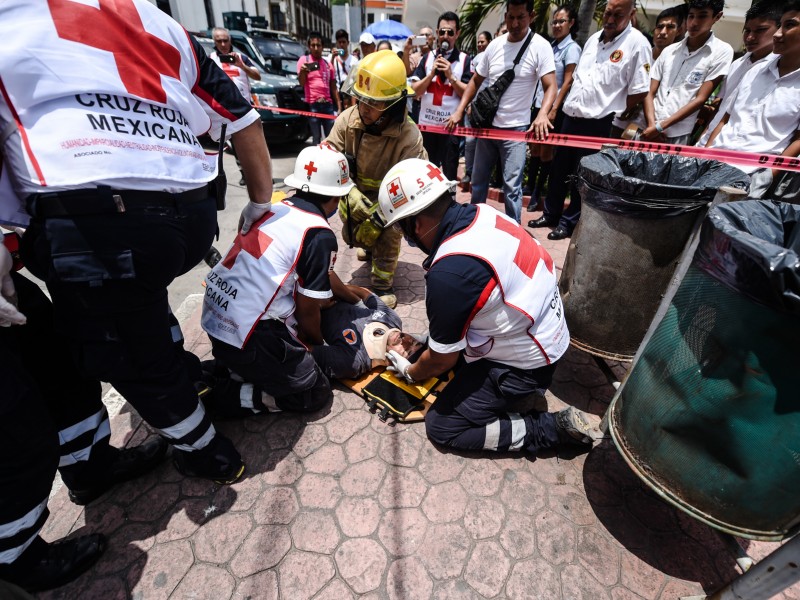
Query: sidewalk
x,y
338,505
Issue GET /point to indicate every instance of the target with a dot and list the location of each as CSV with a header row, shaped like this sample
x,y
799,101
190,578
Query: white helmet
x,y
321,170
410,187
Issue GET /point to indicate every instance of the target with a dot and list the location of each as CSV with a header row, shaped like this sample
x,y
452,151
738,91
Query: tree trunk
x,y
585,19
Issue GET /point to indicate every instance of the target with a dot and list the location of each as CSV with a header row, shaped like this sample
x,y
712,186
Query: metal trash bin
x,y
709,415
638,211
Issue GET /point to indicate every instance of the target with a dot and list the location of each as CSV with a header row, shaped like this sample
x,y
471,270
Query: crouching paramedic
x,y
263,300
375,135
495,315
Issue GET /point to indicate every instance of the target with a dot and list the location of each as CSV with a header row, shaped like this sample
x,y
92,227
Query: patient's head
x,y
380,338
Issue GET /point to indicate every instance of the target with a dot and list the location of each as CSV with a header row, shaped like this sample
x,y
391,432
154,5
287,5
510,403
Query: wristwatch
x,y
407,375
659,128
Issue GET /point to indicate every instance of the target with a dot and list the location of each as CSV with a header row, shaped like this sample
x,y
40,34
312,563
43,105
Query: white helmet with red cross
x,y
410,187
321,170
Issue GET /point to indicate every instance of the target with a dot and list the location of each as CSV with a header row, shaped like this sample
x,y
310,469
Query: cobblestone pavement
x,y
339,505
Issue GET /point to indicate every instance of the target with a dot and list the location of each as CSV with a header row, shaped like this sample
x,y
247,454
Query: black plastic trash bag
x,y
647,185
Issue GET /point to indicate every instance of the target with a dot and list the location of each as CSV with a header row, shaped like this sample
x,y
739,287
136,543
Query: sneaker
x,y
387,297
363,255
55,564
575,427
129,463
219,461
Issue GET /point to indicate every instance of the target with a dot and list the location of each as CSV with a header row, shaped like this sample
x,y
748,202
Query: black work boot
x,y
45,566
219,461
129,463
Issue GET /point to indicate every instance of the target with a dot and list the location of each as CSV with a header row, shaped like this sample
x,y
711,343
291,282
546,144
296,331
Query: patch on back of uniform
x,y
390,397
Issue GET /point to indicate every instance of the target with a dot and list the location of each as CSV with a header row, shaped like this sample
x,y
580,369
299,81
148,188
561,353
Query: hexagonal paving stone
x,y
284,432
311,439
318,491
445,550
240,496
315,532
327,460
218,540
363,478
438,465
155,503
276,506
555,537
358,517
402,488
620,593
445,502
282,469
205,582
572,504
598,555
519,536
343,426
403,530
481,477
362,445
263,549
455,589
303,574
361,562
401,449
408,580
483,517
533,579
487,568
263,586
578,583
336,590
522,493
166,565
639,576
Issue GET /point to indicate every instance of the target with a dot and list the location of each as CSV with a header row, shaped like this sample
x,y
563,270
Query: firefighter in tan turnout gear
x,y
375,135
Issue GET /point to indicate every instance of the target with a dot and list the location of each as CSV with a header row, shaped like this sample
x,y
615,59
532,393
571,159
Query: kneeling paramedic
x,y
495,315
263,300
374,135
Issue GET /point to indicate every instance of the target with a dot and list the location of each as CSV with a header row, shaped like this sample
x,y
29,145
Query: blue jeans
x,y
322,126
512,162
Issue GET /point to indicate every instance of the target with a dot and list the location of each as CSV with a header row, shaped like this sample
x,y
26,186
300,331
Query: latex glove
x,y
9,315
399,365
252,213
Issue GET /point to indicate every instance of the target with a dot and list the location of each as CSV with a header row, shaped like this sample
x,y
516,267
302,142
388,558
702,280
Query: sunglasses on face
x,y
447,32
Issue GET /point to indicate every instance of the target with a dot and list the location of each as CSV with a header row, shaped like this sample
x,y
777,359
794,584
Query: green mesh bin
x,y
709,416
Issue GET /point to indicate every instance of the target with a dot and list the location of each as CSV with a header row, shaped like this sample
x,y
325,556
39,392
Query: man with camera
x,y
342,63
441,80
316,77
236,65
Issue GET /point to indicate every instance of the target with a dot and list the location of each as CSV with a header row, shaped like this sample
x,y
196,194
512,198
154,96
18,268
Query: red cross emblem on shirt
x,y
310,169
117,28
528,251
435,172
439,91
255,243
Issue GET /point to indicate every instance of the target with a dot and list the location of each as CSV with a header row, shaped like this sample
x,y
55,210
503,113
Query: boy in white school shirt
x,y
685,74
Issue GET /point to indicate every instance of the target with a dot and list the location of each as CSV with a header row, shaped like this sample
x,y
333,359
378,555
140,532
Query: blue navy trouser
x,y
565,165
472,412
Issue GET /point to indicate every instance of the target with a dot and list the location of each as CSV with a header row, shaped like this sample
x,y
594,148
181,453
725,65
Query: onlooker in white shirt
x,y
764,116
513,112
760,24
685,74
342,62
612,75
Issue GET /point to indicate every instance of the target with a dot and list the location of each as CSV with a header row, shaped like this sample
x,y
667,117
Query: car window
x,y
293,49
268,47
207,44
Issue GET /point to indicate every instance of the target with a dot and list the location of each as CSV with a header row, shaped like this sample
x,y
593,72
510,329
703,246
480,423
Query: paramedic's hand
x,y
251,214
9,315
399,365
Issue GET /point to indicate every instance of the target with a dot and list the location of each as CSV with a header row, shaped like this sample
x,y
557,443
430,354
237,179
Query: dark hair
x,y
528,4
387,42
341,33
765,10
448,16
485,34
572,15
716,6
676,12
314,35
791,7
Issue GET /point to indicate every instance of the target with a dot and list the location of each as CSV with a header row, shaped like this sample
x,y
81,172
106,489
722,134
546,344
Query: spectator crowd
x,y
107,230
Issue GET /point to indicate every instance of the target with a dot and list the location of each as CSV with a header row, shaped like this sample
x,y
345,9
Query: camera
x,y
226,58
419,40
313,66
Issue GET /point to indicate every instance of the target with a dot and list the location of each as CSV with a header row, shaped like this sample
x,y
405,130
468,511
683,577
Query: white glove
x,y
399,365
251,213
9,315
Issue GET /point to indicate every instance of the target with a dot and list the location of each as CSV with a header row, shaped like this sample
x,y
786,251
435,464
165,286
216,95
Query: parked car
x,y
272,90
279,50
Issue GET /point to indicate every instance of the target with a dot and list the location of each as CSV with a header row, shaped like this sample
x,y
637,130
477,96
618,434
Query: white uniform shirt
x,y
237,75
764,111
341,68
682,73
515,105
609,72
728,89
